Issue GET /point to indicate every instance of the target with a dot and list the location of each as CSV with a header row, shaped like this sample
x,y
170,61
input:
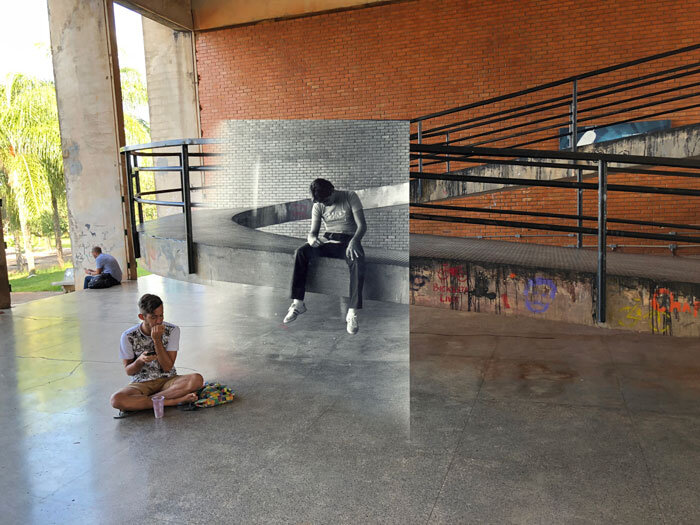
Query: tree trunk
x,y
57,231
23,221
19,257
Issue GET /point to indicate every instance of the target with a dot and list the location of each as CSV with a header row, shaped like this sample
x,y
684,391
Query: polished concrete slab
x,y
548,422
317,412
493,420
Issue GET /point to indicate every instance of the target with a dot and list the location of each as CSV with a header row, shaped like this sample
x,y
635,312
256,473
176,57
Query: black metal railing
x,y
597,164
494,131
660,85
136,199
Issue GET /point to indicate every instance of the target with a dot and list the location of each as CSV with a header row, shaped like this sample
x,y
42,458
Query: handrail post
x,y
420,141
574,146
185,174
602,241
132,213
137,178
447,143
420,159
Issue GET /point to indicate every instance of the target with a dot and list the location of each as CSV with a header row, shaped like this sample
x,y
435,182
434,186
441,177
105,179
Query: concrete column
x,y
172,97
4,282
88,93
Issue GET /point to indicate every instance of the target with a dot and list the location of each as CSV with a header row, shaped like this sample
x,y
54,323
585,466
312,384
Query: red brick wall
x,y
400,61
404,60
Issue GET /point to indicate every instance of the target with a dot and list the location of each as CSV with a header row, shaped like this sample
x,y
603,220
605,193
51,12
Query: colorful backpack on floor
x,y
212,394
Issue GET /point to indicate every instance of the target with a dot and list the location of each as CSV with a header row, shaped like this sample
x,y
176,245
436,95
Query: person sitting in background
x,y
108,273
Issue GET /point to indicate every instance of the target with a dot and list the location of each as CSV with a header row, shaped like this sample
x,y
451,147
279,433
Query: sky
x,y
24,29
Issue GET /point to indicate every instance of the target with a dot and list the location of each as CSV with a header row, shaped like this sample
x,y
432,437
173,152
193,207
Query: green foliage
x,y
41,282
31,162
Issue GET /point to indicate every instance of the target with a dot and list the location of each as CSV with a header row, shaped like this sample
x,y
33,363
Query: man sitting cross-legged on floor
x,y
148,351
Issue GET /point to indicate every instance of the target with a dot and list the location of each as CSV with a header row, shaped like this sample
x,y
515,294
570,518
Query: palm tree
x,y
30,151
21,99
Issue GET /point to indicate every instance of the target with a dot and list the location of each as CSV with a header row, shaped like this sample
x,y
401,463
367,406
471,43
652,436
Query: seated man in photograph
x,y
148,351
344,219
108,272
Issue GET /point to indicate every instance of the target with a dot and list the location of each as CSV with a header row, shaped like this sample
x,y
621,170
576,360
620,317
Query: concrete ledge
x,y
228,251
644,293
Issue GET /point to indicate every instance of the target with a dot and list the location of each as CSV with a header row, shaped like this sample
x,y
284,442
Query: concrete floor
x,y
510,420
547,422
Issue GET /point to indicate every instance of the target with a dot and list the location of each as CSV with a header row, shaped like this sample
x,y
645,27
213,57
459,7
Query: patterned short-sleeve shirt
x,y
134,342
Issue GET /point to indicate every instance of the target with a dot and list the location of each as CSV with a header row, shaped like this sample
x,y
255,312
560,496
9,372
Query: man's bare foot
x,y
188,398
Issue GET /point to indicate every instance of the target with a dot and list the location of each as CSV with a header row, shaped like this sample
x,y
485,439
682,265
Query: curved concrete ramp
x,y
226,250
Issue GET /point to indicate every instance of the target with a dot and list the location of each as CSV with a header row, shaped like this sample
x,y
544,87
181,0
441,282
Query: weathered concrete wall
x,y
501,289
172,98
167,257
89,109
633,304
176,15
660,308
4,282
680,142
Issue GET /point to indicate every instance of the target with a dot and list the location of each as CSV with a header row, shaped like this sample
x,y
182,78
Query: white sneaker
x,y
294,312
353,327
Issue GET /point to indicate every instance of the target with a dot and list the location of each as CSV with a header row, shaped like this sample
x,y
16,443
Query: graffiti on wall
x,y
539,294
418,281
637,317
664,301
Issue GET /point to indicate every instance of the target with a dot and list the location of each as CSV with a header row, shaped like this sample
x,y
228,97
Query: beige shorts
x,y
148,388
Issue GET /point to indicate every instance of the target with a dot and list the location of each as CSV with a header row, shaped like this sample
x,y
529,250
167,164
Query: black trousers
x,y
305,254
102,280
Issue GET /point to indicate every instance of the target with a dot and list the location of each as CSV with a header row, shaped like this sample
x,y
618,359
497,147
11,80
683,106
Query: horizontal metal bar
x,y
583,97
158,192
509,163
580,120
554,227
441,130
205,168
642,106
555,184
206,154
159,203
158,168
560,82
453,127
171,143
528,163
554,215
522,134
150,154
641,97
614,123
543,154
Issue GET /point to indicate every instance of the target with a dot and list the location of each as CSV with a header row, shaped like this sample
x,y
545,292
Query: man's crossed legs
x,y
175,390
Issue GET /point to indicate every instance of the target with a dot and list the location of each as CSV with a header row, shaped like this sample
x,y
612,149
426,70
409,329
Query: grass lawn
x,y
43,279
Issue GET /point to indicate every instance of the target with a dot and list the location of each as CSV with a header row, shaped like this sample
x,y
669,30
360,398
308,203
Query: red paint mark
x,y
673,305
504,298
446,271
512,276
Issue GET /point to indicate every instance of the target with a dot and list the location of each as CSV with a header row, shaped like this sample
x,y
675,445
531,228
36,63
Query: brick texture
x,y
400,61
274,161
